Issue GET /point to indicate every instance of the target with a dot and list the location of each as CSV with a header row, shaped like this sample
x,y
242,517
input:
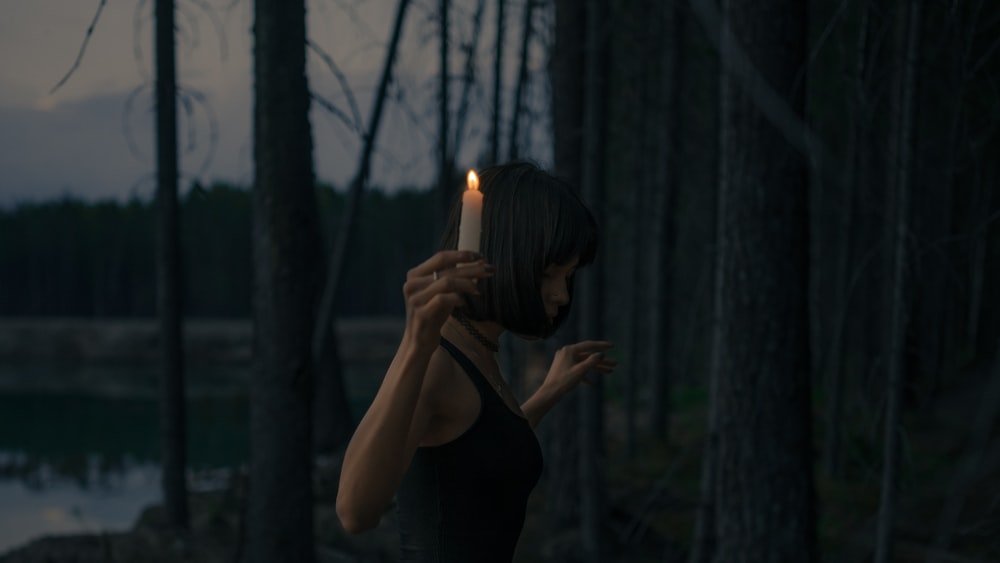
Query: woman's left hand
x,y
572,363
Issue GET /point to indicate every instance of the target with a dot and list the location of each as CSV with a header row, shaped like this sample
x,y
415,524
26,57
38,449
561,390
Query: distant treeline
x,y
73,258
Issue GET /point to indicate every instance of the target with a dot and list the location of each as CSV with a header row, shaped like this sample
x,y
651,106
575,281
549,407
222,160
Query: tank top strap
x,y
477,377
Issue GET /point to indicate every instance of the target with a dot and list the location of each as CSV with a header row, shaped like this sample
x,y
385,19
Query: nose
x,y
560,296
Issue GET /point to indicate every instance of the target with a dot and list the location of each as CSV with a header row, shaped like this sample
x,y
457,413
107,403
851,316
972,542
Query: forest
x,y
71,258
799,265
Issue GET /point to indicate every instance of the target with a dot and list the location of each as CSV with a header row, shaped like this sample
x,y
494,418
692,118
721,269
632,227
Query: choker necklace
x,y
465,322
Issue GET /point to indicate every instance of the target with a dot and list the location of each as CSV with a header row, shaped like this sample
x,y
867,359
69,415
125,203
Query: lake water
x,y
80,447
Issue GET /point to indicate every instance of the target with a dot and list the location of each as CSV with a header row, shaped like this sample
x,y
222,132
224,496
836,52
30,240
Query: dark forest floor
x,y
946,470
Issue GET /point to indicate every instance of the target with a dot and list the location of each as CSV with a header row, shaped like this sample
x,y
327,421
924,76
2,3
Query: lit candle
x,y
470,224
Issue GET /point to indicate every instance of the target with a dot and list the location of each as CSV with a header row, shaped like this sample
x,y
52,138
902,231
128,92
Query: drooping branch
x,y
83,47
324,319
468,79
522,78
497,84
358,124
767,101
336,112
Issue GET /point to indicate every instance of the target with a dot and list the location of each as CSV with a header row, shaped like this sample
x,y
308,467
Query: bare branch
x,y
191,36
137,20
126,123
333,109
214,18
771,105
213,126
469,79
83,47
342,79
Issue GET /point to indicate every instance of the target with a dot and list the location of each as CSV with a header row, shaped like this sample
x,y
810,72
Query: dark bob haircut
x,y
531,220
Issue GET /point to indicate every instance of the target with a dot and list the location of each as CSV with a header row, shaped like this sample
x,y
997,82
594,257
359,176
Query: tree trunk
x,y
286,250
855,181
522,80
497,84
665,117
168,266
445,189
566,75
593,486
908,37
705,541
334,423
764,497
468,79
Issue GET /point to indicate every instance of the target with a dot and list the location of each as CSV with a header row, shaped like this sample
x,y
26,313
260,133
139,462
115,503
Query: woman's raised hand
x,y
437,286
572,362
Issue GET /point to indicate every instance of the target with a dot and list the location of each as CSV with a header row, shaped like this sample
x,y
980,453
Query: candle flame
x,y
472,180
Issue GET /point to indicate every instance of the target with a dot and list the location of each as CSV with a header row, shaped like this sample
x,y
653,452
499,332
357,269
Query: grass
x,y
657,491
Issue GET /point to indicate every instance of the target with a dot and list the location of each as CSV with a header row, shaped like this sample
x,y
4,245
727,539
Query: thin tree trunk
x,y
664,179
334,423
947,332
900,168
979,211
705,540
286,249
633,51
566,75
762,377
637,336
964,478
593,493
468,79
855,181
169,274
497,84
445,191
522,80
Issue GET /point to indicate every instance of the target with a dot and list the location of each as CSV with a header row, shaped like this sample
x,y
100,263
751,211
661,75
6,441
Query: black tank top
x,y
464,501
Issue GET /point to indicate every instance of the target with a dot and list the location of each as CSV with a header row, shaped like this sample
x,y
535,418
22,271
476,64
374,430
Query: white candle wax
x,y
470,223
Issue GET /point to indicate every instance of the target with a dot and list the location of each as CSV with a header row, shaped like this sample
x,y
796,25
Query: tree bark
x,y
662,181
286,249
593,485
468,79
168,265
908,37
497,84
566,75
856,180
764,496
444,156
522,80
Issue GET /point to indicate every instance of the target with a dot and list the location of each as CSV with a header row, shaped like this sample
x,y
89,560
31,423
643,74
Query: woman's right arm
x,y
385,440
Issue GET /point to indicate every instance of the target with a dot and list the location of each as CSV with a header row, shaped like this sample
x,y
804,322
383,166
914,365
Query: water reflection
x,y
87,460
45,503
80,445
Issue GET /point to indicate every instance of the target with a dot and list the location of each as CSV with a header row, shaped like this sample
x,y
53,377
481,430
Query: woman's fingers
x,y
593,361
442,260
442,286
421,286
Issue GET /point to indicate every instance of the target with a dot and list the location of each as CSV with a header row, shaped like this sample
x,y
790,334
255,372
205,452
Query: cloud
x,y
77,147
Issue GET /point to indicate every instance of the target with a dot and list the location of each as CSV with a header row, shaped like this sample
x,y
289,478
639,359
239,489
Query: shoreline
x,y
208,341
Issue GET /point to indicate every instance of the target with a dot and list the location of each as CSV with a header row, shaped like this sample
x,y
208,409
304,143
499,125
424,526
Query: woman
x,y
444,431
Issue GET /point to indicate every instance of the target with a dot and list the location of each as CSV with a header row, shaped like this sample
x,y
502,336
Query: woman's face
x,y
555,286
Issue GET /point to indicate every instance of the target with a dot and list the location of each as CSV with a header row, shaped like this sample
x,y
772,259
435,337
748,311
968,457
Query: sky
x,y
93,137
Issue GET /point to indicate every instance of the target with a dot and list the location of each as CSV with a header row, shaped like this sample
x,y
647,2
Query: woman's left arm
x,y
569,368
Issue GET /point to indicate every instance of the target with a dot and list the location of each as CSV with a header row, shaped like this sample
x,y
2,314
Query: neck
x,y
491,331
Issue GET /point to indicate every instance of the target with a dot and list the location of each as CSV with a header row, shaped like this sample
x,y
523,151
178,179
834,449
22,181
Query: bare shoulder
x,y
440,376
450,398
